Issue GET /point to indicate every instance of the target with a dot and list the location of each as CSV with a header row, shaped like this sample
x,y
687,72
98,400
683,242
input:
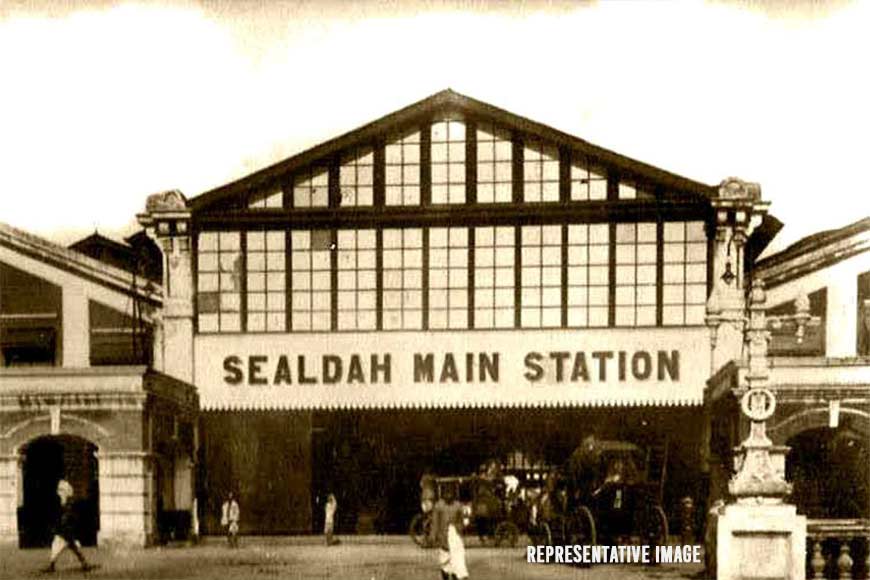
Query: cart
x,y
603,494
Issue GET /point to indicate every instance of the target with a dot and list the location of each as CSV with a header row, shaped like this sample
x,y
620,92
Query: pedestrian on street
x,y
447,522
329,520
65,530
230,515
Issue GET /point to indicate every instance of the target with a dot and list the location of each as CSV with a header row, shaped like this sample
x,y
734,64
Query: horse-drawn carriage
x,y
603,494
493,508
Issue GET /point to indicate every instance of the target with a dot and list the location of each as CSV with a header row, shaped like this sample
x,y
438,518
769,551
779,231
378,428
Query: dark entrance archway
x,y
46,461
828,468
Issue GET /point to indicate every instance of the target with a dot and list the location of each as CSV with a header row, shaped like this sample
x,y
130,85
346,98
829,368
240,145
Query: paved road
x,y
357,558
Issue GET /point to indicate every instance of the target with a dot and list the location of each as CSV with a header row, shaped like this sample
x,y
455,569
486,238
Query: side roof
x,y
813,253
98,239
446,101
69,260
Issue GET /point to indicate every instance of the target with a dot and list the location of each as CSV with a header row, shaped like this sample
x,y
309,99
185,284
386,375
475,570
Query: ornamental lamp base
x,y
761,542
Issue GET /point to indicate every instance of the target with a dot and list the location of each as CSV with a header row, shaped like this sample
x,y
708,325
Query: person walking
x,y
329,520
447,521
65,530
230,515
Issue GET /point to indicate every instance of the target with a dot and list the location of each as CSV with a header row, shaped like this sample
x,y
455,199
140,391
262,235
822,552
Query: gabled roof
x,y
98,239
448,100
813,253
79,264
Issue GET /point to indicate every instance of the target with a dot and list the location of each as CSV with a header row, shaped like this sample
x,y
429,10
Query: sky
x,y
103,103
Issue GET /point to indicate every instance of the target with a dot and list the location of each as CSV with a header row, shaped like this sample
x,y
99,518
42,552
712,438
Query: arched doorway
x,y
828,468
46,461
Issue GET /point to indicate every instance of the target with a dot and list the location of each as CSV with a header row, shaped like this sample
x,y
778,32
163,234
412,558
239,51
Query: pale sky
x,y
103,103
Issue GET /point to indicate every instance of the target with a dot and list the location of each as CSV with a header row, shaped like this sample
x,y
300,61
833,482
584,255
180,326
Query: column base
x,y
761,542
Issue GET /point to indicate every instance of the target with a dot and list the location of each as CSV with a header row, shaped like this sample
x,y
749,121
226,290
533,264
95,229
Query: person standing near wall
x,y
329,520
65,530
447,521
230,515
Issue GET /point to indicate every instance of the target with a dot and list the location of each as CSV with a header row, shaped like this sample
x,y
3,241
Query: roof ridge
x,y
427,105
108,274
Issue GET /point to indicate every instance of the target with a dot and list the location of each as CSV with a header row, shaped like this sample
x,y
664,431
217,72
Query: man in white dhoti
x,y
447,523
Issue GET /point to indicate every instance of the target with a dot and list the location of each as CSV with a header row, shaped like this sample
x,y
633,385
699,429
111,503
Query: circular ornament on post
x,y
758,404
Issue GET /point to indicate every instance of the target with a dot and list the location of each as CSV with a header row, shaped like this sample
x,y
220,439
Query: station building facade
x,y
448,285
82,399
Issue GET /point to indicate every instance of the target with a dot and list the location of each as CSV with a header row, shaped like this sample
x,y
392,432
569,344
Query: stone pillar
x,y
76,327
167,221
126,490
739,210
760,536
10,472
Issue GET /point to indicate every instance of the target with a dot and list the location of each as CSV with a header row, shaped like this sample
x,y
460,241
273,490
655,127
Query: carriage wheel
x,y
582,531
655,526
506,534
419,529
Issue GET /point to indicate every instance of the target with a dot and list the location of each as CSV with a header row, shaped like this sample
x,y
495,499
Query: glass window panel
x,y
256,322
695,232
219,277
696,294
577,317
696,273
695,314
627,190
597,191
598,316
625,315
646,315
311,188
448,161
540,172
230,322
208,322
672,315
685,272
587,281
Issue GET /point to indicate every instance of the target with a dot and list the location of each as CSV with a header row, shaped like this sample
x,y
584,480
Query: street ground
x,y
357,558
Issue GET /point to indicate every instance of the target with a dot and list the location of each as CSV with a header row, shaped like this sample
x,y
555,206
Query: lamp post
x,y
759,522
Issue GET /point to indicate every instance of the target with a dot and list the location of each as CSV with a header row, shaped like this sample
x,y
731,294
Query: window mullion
x,y
660,269
379,175
379,279
470,162
611,275
518,276
426,164
333,278
424,298
472,266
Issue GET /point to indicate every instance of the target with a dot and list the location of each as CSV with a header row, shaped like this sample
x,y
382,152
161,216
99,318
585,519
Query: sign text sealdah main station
x,y
471,367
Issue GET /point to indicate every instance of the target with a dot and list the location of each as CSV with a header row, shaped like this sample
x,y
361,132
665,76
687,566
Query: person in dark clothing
x,y
65,530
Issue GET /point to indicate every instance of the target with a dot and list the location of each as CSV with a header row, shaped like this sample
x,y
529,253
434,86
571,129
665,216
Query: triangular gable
x,y
814,253
64,267
446,101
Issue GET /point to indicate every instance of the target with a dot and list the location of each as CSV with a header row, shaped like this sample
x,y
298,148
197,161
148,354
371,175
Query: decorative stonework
x,y
167,221
759,478
733,188
166,201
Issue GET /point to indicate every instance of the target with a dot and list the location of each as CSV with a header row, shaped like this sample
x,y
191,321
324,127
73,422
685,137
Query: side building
x,y
447,287
818,360
81,400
